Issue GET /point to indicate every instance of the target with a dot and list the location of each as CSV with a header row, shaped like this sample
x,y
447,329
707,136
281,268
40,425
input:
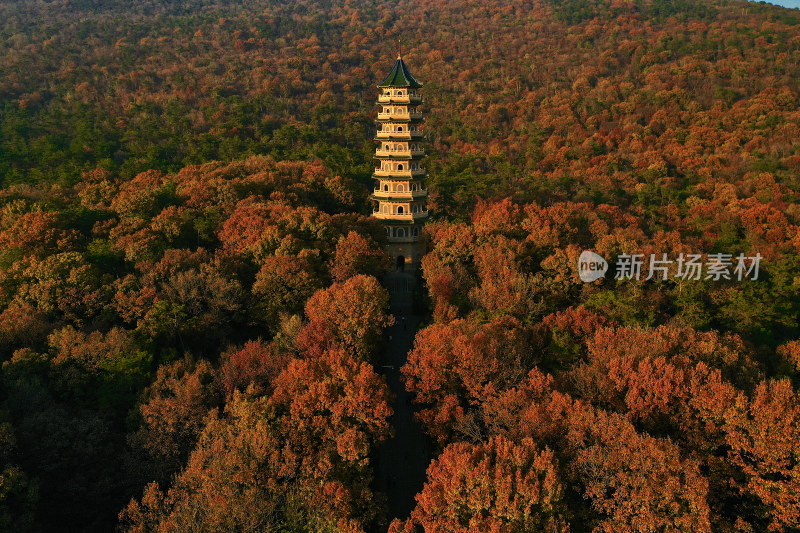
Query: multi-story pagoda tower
x,y
400,197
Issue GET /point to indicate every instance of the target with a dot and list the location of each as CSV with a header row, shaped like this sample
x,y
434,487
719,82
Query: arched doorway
x,y
401,263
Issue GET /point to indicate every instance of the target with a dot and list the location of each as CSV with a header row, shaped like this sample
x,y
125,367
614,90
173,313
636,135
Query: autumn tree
x,y
335,405
632,481
351,313
21,324
196,305
356,255
298,459
234,480
172,416
496,486
252,367
635,482
454,367
282,286
762,433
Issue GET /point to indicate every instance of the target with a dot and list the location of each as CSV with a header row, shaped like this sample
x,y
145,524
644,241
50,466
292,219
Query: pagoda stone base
x,y
405,256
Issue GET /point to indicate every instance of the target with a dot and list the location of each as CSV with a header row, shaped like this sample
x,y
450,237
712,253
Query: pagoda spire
x,y
400,198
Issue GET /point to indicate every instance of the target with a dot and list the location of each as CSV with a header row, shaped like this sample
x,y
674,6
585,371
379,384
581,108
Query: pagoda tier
x,y
400,197
411,96
393,113
390,149
399,134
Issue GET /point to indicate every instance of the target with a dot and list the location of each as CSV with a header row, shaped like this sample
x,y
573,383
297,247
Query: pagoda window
x,y
400,210
386,188
399,128
400,167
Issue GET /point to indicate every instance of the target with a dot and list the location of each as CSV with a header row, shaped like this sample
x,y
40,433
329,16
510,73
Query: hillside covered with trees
x,y
191,314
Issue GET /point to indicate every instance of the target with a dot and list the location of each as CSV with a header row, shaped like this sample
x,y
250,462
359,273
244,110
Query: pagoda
x,y
400,197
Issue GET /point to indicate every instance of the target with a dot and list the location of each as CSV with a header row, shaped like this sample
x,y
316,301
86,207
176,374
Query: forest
x,y
191,309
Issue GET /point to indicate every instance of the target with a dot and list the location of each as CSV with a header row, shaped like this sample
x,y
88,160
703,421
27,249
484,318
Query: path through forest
x,y
401,462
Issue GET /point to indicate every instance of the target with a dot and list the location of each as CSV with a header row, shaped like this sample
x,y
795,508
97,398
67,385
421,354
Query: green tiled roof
x,y
399,77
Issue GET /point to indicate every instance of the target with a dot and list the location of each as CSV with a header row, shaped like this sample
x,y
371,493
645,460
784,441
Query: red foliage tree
x,y
335,405
455,367
764,438
635,483
238,478
499,486
252,367
351,313
356,255
173,415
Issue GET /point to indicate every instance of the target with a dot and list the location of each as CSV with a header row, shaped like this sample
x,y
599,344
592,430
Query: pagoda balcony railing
x,y
399,135
411,173
381,152
408,99
389,115
405,217
410,238
378,194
